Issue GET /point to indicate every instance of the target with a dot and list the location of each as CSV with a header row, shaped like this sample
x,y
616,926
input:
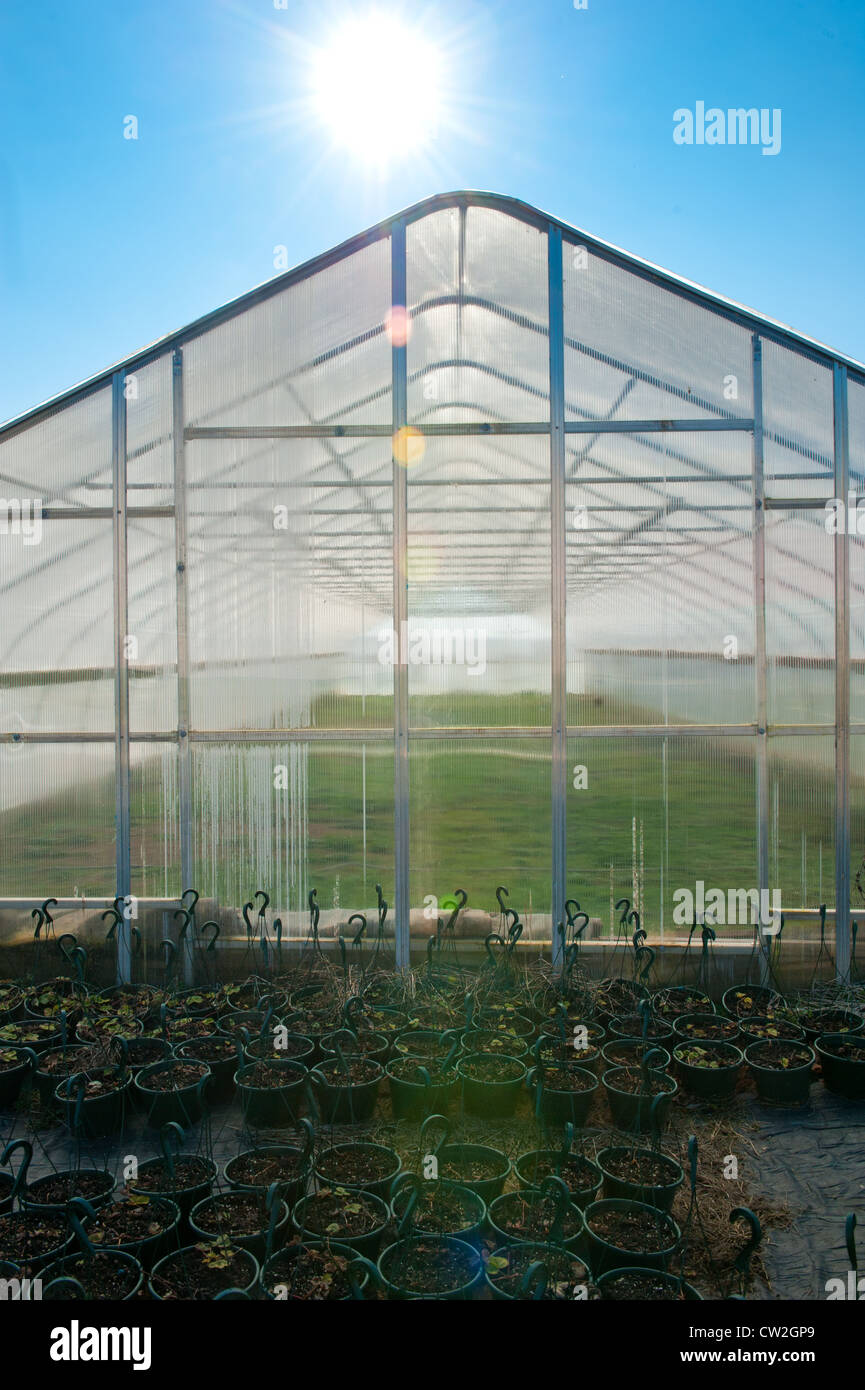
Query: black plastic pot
x,y
367,1244
272,1107
675,1000
189,1187
678,1288
407,1201
492,1099
630,1027
787,1086
391,1261
279,1272
710,1083
429,1094
182,1106
852,1023
210,1220
373,1045
699,1027
785,1029
282,1156
46,1082
604,1256
34,1197
327,1170
341,1100
130,1272
627,1052
660,1195
171,1268
555,1105
43,1246
222,1064
298,1048
583,1182
741,1000
94,1116
845,1076
501,1212
632,1110
148,1248
564,1271
12,1078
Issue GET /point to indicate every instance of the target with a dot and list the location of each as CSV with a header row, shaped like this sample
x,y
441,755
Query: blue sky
x,y
107,243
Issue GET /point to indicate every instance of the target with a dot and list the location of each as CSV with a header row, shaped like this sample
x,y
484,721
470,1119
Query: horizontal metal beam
x,y
700,425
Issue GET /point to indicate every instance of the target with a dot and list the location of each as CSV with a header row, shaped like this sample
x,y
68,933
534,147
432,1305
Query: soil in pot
x,y
842,1062
677,1000
27,1238
35,1033
709,1069
239,1216
508,1266
631,1080
743,1000
755,1027
340,1213
502,1043
817,1021
482,1067
706,1028
631,1026
202,1271
297,1048
132,1221
177,1076
102,1276
56,1189
310,1273
442,1209
430,1267
628,1053
529,1216
372,1167
189,1173
580,1175
645,1286
640,1175
616,997
635,1228
260,1167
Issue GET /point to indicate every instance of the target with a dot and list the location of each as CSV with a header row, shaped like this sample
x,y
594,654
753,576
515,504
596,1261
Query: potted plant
x,y
742,1000
255,1170
437,1208
783,1071
11,1002
56,1064
421,1086
431,1267
675,1000
104,1274
580,1175
816,1021
563,1092
219,1055
709,1069
271,1092
358,1165
491,1085
546,1213
640,1175
172,1091
511,1273
646,1286
33,1239
757,1027
346,1088
624,1235
16,1064
485,1170
367,1044
631,1091
582,1046
93,1102
203,1271
620,996
842,1063
706,1028
273,1046
135,1224
35,1033
314,1271
349,1216
183,1178
253,1220
627,1052
642,1027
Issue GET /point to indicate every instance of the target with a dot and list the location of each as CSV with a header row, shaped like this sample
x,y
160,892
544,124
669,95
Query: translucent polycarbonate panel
x,y
57,804
854,520
800,618
152,636
318,351
63,460
481,817
798,425
856,430
662,457
477,289
802,820
660,597
477,642
291,817
149,434
637,351
290,577
57,630
650,818
155,821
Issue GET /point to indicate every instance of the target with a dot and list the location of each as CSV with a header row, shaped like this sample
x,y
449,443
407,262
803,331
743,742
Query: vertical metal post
x,y
760,652
558,580
184,777
842,684
123,831
399,384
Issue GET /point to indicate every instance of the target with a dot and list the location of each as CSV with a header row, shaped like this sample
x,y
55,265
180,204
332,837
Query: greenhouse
x,y
461,633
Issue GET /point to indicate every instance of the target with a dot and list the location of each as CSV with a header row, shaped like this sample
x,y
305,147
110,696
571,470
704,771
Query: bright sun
x,y
377,85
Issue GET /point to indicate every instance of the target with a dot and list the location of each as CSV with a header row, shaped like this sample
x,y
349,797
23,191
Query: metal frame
x,y
558,429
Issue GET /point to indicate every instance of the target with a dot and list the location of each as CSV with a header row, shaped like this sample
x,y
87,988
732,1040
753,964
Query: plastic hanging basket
x,y
610,1246
435,1268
